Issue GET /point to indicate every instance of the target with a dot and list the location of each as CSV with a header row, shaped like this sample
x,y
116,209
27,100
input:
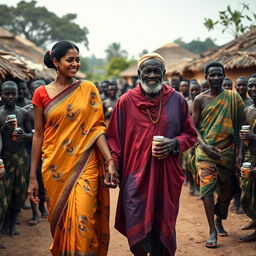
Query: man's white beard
x,y
151,89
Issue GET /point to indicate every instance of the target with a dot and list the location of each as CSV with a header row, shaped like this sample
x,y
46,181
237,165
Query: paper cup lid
x,y
158,138
247,165
246,127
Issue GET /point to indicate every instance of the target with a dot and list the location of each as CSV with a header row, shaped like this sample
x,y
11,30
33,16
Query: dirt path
x,y
192,231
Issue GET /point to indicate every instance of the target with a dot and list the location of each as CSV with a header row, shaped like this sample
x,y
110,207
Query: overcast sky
x,y
141,24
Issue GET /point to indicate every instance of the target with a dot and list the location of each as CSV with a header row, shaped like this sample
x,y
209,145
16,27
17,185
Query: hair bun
x,y
48,60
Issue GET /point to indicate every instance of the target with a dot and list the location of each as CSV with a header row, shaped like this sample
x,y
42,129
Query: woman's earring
x,y
57,71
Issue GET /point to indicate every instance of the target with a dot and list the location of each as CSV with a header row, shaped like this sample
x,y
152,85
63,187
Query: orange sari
x,y
73,172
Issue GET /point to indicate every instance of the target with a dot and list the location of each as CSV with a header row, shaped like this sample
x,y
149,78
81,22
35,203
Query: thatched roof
x,y
171,52
13,68
237,54
27,53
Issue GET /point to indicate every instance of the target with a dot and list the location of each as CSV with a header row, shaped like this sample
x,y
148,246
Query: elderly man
x,y
150,186
217,116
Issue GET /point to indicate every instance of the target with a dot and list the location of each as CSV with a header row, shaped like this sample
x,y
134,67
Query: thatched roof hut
x,y
237,56
27,54
171,52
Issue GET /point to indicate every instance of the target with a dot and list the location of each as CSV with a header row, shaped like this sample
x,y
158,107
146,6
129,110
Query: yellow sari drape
x,y
73,172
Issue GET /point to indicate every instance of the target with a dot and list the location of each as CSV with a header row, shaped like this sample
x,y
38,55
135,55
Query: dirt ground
x,y
192,231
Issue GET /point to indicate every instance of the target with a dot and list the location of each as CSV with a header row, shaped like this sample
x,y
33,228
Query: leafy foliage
x,y
197,46
235,22
114,51
116,65
41,26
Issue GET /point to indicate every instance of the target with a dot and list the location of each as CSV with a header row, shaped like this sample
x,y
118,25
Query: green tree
x,y
41,26
197,46
116,65
236,22
114,51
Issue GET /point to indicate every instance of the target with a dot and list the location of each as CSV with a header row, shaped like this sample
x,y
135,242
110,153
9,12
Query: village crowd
x,y
214,140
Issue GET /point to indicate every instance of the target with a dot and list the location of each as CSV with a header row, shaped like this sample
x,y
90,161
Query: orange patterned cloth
x,y
73,172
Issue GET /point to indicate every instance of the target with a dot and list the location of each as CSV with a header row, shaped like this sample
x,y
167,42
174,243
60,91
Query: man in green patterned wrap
x,y
248,184
13,154
217,116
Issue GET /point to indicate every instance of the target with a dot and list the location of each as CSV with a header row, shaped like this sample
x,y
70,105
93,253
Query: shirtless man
x,y
14,154
218,133
241,88
184,89
22,101
110,102
248,184
204,85
227,83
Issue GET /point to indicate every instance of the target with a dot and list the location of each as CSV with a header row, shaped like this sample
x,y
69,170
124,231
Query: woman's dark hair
x,y
58,51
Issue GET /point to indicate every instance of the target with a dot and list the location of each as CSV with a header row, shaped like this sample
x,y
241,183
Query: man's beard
x,y
151,88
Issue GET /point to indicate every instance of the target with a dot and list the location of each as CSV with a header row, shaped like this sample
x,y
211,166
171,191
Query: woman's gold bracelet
x,y
107,161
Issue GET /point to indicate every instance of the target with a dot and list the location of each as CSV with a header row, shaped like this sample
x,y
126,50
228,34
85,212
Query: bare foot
x,y
249,238
250,226
220,229
212,241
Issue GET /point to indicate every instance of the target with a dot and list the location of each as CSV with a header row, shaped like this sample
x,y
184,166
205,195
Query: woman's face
x,y
69,64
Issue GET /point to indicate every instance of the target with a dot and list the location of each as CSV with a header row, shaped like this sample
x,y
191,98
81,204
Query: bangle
x,y
32,177
108,160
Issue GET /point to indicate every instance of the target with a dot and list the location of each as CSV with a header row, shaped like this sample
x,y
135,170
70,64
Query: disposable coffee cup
x,y
156,140
246,128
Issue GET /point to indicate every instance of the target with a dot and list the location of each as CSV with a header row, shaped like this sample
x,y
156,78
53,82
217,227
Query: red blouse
x,y
41,97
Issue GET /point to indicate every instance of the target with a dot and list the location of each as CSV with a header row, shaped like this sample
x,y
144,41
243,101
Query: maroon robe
x,y
149,188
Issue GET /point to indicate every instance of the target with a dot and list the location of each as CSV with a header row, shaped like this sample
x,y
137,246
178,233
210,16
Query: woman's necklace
x,y
159,113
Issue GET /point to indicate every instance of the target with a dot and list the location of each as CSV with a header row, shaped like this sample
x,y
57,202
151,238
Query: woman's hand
x,y
33,190
111,176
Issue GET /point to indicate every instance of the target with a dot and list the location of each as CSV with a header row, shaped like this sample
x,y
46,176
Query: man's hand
x,y
211,151
164,148
247,135
10,124
20,135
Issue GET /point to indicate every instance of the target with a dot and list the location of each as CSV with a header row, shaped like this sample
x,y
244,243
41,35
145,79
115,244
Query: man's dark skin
x,y
241,88
184,89
227,84
22,101
9,94
152,72
215,78
110,102
250,113
204,85
175,83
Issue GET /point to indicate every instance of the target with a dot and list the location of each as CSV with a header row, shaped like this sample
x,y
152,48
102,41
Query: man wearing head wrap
x,y
150,176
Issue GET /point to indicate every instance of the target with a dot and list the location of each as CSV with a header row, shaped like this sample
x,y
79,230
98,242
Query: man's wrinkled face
x,y
241,86
252,88
151,74
215,77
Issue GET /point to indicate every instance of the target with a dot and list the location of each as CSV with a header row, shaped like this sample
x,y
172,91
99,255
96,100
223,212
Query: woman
x,y
70,133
